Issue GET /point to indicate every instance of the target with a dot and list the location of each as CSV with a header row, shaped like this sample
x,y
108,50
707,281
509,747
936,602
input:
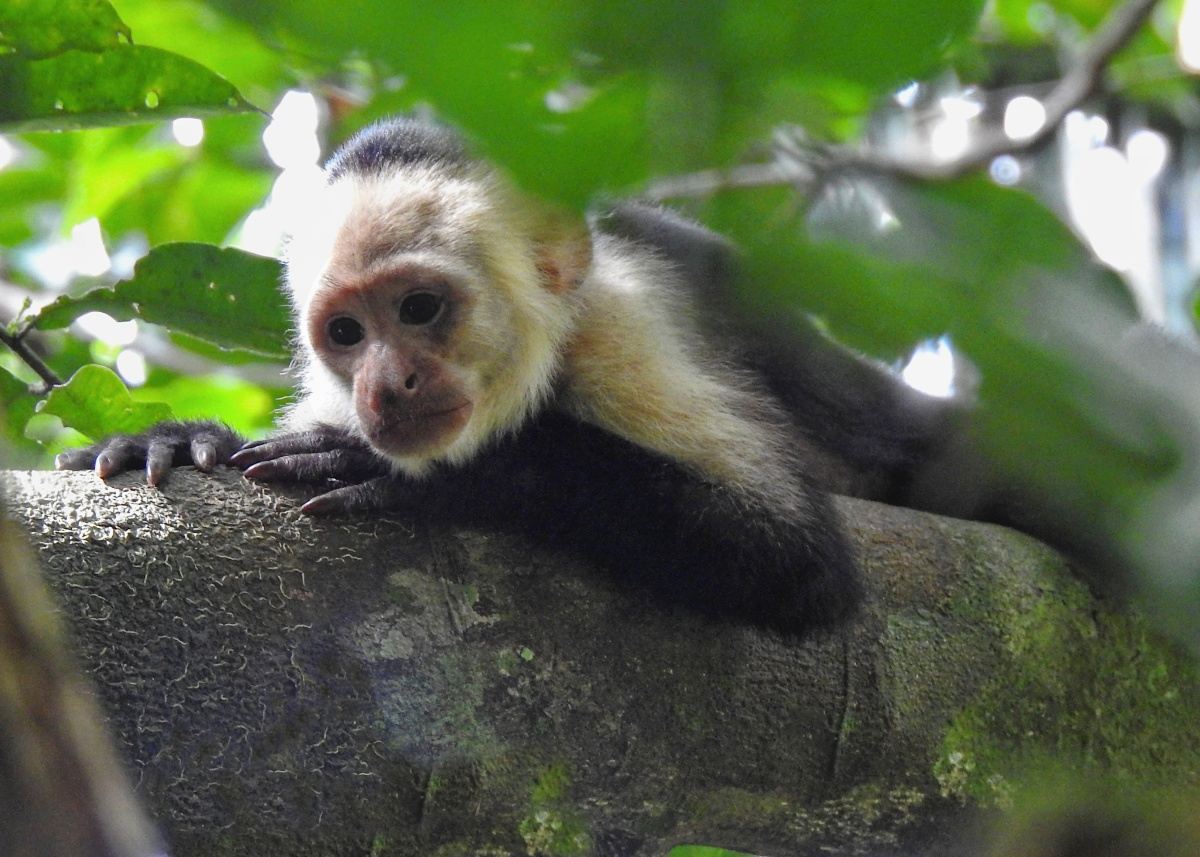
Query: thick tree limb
x,y
283,686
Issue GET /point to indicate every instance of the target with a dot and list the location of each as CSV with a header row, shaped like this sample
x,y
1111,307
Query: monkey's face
x,y
436,307
396,339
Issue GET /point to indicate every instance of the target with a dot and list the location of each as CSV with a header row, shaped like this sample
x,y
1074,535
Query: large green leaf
x,y
124,85
42,28
197,31
96,403
225,296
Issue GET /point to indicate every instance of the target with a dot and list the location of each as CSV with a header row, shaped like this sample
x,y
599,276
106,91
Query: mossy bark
x,y
389,687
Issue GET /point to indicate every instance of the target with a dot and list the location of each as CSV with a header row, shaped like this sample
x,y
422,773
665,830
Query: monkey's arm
x,y
171,444
570,485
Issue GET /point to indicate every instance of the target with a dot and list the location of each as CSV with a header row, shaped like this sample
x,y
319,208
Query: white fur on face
x,y
470,225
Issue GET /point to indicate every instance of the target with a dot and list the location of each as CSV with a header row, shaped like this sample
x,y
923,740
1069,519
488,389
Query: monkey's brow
x,y
376,254
370,277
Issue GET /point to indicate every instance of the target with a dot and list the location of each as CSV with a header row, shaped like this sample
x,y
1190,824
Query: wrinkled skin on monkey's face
x,y
393,341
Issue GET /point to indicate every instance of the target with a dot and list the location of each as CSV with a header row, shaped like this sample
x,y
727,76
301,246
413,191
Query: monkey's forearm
x,y
649,521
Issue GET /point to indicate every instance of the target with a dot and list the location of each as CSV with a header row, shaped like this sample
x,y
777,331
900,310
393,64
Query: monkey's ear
x,y
564,252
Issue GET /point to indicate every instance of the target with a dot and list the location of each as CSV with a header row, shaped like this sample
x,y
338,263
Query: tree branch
x,y
16,343
799,163
283,685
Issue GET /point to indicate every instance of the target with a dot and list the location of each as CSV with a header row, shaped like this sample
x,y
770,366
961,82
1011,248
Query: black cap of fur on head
x,y
396,142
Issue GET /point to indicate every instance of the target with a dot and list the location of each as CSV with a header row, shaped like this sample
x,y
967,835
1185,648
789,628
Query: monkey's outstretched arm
x,y
171,444
644,519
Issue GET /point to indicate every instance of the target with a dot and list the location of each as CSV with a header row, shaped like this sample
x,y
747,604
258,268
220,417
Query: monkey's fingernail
x,y
319,505
61,460
263,470
204,455
104,465
244,457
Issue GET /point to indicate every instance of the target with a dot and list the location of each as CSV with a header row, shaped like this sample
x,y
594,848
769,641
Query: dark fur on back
x,y
396,142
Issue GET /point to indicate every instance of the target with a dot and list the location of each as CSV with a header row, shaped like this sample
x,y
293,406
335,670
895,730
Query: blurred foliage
x,y
580,100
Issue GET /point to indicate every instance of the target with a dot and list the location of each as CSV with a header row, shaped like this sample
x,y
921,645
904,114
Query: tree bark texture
x,y
286,686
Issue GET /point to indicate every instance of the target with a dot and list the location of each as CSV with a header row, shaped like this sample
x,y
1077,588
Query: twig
x,y
1071,90
16,343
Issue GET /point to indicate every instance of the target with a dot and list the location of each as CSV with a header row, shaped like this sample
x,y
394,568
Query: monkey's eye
x,y
420,308
345,331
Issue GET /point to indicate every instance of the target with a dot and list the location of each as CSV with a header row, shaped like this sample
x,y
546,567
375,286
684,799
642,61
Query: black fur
x,y
566,484
880,435
166,445
395,142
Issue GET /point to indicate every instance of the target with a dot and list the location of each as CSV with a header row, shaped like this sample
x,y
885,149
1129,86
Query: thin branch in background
x,y
16,343
800,163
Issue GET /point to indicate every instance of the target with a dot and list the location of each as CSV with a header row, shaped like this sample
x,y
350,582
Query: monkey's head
x,y
432,300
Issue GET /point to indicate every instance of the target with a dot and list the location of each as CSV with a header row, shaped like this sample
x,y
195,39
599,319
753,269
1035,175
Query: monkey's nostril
x,y
410,383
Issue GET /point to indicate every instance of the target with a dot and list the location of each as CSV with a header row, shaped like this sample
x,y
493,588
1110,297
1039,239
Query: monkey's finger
x,y
159,457
204,452
307,467
117,456
314,467
292,444
376,494
273,448
76,459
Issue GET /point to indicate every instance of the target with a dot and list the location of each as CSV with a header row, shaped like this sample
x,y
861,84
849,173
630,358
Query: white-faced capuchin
x,y
469,356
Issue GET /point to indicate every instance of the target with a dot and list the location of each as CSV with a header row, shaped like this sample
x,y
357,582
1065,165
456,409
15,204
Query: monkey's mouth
x,y
425,432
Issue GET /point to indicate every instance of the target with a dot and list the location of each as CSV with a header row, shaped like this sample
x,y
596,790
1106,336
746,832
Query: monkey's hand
x,y
166,445
322,454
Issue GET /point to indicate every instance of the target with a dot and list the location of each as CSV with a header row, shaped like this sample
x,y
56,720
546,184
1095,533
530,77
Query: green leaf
x,y
120,86
96,403
225,296
246,408
16,403
42,28
197,31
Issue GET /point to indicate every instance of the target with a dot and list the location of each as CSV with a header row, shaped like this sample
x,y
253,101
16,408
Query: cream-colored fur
x,y
469,225
637,368
618,343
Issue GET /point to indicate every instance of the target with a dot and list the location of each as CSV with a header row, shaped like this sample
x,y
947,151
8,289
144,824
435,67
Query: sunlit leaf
x,y
244,407
202,200
42,28
96,403
106,173
225,45
78,89
225,296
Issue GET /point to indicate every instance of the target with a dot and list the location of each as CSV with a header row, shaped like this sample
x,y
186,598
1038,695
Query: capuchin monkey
x,y
469,355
